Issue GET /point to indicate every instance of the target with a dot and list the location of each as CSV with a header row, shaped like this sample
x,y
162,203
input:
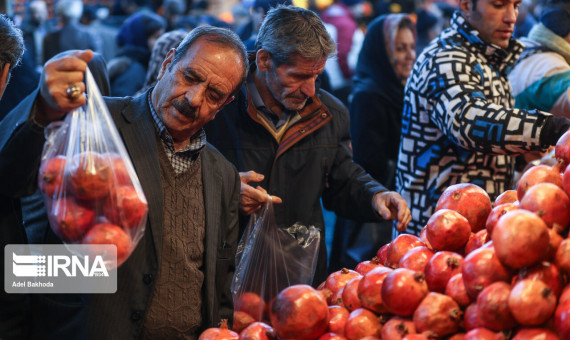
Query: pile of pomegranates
x,y
478,270
91,199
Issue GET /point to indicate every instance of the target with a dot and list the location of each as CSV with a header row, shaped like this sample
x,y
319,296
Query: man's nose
x,y
308,87
195,95
511,14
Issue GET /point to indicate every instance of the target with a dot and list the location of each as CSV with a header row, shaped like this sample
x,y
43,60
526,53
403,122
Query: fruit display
x,y
91,199
479,270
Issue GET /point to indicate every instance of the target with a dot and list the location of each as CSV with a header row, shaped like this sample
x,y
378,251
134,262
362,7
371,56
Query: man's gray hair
x,y
288,31
11,43
69,9
222,36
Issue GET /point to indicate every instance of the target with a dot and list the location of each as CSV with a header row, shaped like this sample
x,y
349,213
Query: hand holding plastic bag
x,y
90,188
270,259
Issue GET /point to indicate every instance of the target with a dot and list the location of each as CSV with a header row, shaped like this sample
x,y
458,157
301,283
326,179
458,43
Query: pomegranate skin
x,y
469,200
399,247
456,290
497,212
520,239
368,289
337,319
397,327
538,174
439,314
481,268
440,268
447,230
493,307
531,302
299,312
258,331
562,320
362,323
550,202
403,290
535,334
508,196
482,334
416,258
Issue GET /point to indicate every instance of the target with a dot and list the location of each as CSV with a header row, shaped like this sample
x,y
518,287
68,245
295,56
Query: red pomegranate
x,y
534,334
337,280
493,306
538,174
471,317
362,323
457,336
418,336
397,327
562,148
555,241
562,320
520,238
252,304
120,172
482,334
456,290
423,237
364,267
447,230
416,258
400,246
107,233
336,298
544,271
299,312
566,180
481,268
50,178
221,333
350,298
125,207
476,241
382,253
440,268
337,319
258,331
549,202
565,295
331,336
497,212
562,257
531,302
90,176
403,290
70,219
439,314
241,321
469,200
368,289
508,196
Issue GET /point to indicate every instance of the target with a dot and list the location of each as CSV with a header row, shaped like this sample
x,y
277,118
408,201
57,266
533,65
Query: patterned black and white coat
x,y
459,124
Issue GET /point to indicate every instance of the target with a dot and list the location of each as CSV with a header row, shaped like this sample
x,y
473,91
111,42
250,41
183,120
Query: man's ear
x,y
167,62
263,60
465,6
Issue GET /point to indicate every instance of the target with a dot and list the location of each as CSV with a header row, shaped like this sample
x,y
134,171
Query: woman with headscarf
x,y
375,104
136,39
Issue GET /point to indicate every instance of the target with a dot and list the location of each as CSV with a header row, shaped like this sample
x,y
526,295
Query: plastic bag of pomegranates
x,y
91,191
269,259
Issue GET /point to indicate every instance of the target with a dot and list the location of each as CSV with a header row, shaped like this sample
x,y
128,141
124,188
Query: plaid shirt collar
x,y
197,141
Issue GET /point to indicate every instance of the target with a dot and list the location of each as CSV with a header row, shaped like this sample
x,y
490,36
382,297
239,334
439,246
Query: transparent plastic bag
x,y
91,191
270,259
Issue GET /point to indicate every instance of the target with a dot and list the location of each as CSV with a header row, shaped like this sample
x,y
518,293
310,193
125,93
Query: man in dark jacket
x,y
294,138
192,194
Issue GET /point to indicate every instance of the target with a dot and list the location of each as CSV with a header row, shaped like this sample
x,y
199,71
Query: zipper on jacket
x,y
326,170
